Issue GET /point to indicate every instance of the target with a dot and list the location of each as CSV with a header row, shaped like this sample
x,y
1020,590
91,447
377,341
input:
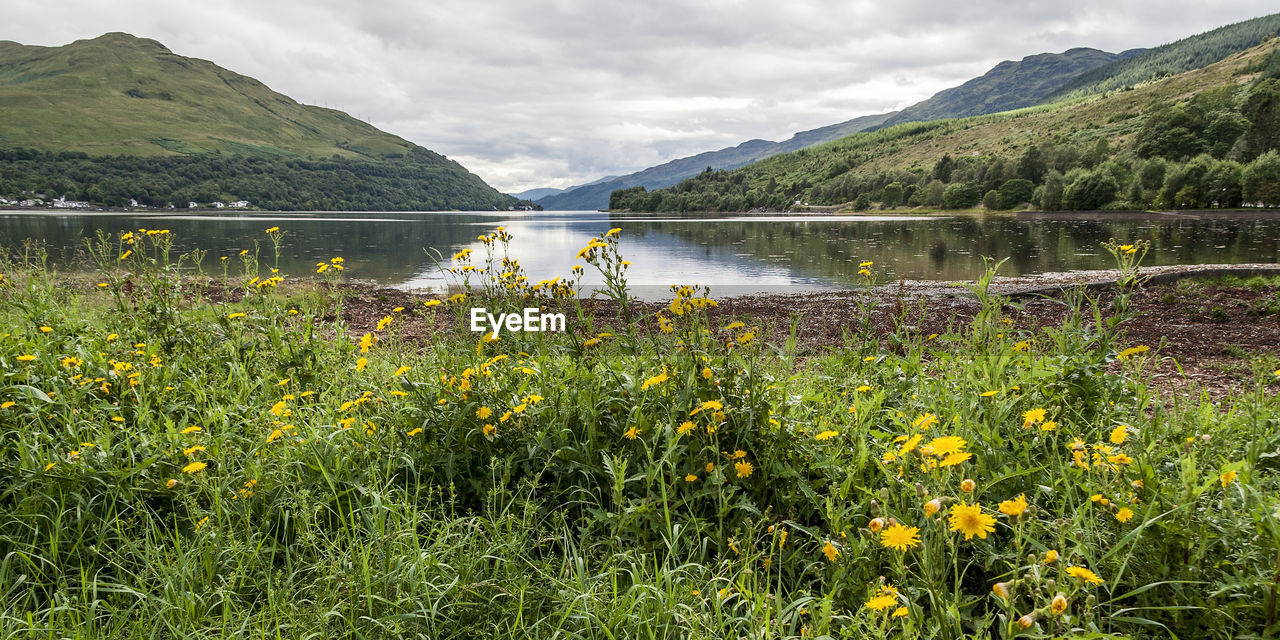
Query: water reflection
x,y
732,253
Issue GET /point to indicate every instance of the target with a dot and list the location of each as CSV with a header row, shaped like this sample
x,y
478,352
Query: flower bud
x,y
921,491
876,525
968,485
875,508
884,493
931,507
1026,621
1059,604
1001,589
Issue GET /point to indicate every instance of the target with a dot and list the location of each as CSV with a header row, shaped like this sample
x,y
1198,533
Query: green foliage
x,y
422,181
1016,192
242,466
961,195
1261,180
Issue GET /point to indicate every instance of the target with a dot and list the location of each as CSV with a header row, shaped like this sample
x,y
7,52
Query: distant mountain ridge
x,y
596,195
1008,85
120,95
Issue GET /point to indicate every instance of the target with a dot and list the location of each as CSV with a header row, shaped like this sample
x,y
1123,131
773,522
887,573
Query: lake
x,y
734,254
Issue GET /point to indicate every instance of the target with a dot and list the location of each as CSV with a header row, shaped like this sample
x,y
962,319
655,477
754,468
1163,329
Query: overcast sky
x,y
553,93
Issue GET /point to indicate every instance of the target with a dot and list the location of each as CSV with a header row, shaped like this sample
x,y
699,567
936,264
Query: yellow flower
x,y
925,421
1084,574
484,412
829,550
613,232
969,520
1048,425
988,394
361,363
900,537
710,467
26,358
1051,556
658,379
690,478
706,373
272,229
1132,351
684,428
910,445
880,602
953,459
743,468
171,483
1119,434
232,316
946,445
194,449
631,433
1014,507
401,371
968,485
488,430
1033,416
194,467
826,435
117,419
384,323
413,432
1026,621
431,303
900,612
1001,589
1059,604
1227,478
190,430
931,507
1124,514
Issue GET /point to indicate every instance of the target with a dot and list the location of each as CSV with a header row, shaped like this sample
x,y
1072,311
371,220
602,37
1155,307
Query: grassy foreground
x,y
215,456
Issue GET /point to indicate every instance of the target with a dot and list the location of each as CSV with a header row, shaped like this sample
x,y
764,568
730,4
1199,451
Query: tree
x,y
961,195
891,195
1091,191
1051,197
1015,192
1261,180
991,200
943,167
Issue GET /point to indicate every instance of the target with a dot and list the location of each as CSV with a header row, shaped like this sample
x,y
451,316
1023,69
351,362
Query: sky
x,y
534,93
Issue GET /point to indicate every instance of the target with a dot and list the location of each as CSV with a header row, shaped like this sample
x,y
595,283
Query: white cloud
x,y
560,92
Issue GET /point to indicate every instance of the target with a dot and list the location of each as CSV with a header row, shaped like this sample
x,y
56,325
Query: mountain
x,y
120,95
1186,54
1009,85
595,195
1208,137
534,194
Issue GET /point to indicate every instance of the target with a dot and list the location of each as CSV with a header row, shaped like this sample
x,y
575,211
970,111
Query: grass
x,y
211,452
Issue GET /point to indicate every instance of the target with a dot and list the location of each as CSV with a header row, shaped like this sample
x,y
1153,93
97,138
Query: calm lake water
x,y
734,254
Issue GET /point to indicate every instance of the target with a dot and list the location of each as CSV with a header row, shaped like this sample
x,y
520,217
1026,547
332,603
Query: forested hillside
x,y
1205,138
117,117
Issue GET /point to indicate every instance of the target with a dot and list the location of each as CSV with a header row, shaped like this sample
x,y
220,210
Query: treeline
x,y
421,180
1218,149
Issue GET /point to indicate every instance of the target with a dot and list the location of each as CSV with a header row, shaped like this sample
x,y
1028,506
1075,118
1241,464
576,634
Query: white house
x,y
218,205
192,205
239,204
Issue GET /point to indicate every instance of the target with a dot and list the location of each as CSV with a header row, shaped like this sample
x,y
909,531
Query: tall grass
x,y
183,455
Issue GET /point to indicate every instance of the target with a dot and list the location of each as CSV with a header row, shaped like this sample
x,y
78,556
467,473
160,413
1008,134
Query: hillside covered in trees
x,y
1204,138
118,117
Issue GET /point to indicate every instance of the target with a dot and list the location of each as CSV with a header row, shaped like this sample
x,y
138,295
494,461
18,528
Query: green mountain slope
x,y
1203,138
1190,53
596,195
118,95
1009,85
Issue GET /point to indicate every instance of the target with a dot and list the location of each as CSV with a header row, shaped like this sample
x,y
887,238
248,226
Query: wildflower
x,y
272,229
1026,621
931,507
613,232
710,466
925,421
988,394
1022,346
684,428
591,342
631,433
900,537
413,432
1119,434
863,388
26,358
171,483
7,404
826,435
366,341
880,602
910,444
655,380
1059,604
690,478
900,612
194,467
488,430
706,373
384,323
278,408
968,485
1001,589
232,316
953,459
1132,351
117,419
361,363
112,336
829,550
194,449
1048,425
1084,574
1227,478
970,520
946,444
876,524
1033,416
484,412
743,468
1124,514
401,371
1051,556
1014,507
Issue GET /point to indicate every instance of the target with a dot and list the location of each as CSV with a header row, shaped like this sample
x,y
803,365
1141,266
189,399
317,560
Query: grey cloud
x,y
559,92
